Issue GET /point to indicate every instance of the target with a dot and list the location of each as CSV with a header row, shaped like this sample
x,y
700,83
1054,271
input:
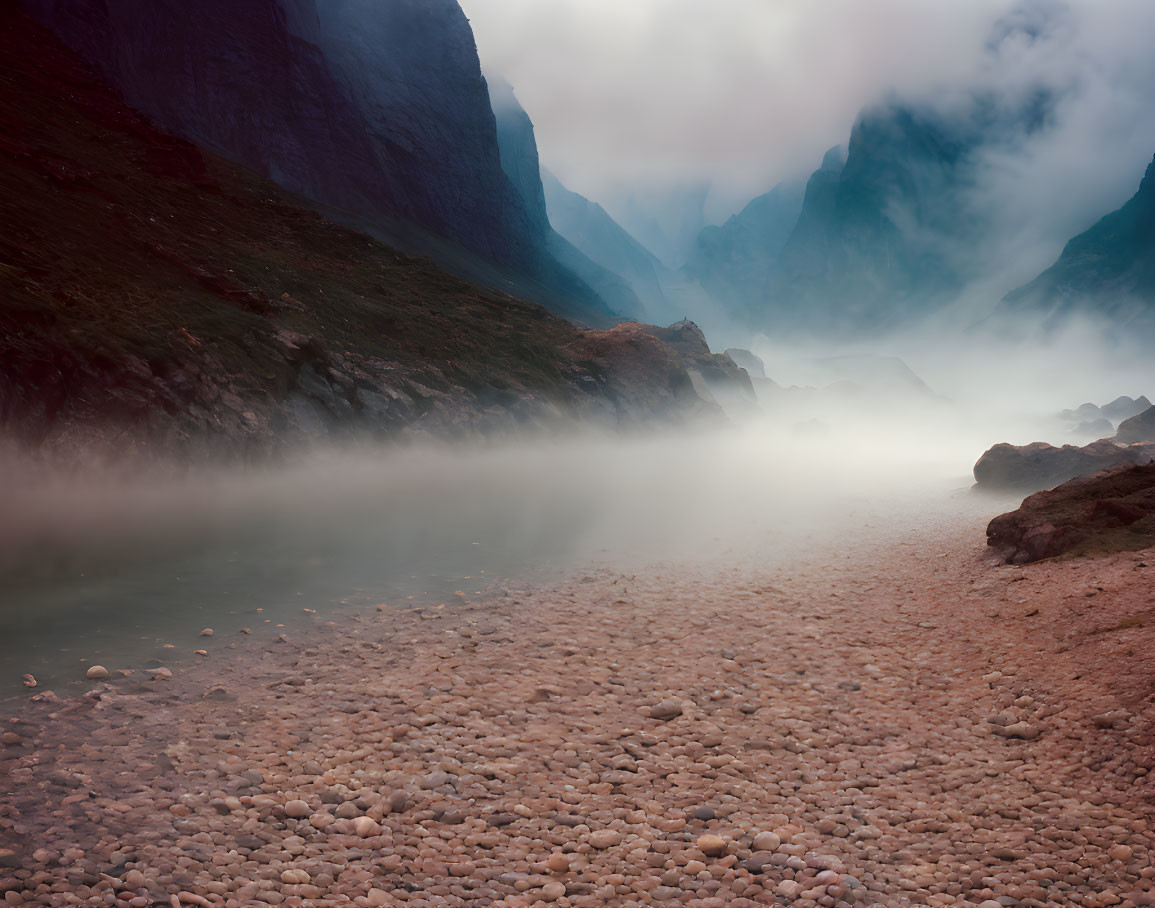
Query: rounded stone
x,y
97,673
712,845
297,809
605,838
767,841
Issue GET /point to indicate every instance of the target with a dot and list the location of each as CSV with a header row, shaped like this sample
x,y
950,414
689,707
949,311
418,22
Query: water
x,y
110,572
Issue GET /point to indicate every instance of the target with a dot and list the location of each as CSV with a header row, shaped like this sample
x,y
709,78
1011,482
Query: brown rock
x,y
666,709
1043,466
1112,511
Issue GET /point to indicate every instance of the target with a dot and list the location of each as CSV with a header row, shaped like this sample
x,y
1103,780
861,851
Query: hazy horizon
x,y
661,95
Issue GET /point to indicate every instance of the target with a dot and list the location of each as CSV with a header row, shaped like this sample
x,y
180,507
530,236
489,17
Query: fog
x,y
744,93
109,566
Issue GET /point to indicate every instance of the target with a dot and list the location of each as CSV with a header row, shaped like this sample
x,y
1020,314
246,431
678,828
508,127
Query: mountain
x,y
733,262
374,109
875,240
1108,271
665,219
589,227
885,234
159,300
519,159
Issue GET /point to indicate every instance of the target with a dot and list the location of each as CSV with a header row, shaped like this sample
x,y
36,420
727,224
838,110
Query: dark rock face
x,y
519,159
1111,511
1139,428
1109,270
1041,466
374,107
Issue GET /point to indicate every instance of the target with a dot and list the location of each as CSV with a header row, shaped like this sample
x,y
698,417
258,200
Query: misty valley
x,y
557,452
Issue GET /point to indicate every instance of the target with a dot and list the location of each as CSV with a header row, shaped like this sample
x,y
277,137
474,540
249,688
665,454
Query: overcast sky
x,y
745,92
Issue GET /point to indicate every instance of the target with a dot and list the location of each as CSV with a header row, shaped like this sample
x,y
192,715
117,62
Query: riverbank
x,y
898,721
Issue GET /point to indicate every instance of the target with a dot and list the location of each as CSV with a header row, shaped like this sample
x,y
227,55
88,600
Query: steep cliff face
x,y
590,228
1108,271
157,300
374,107
875,244
520,160
733,262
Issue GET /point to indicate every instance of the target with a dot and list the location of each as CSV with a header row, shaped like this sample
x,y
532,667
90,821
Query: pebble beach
x,y
896,721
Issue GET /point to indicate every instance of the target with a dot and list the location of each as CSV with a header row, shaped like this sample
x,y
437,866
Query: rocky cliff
x,y
158,300
1107,271
520,160
376,108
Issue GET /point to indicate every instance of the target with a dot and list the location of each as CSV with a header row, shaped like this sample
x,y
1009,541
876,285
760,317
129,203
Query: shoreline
x,y
630,738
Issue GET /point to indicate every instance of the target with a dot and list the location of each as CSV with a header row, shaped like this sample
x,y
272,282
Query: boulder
x,y
1043,466
1137,429
1112,511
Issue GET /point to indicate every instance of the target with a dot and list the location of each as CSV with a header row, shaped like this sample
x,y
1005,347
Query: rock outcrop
x,y
376,109
1109,512
672,366
1107,271
1042,466
1137,429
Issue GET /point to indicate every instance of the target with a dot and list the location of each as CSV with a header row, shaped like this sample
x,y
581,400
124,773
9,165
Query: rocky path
x,y
894,723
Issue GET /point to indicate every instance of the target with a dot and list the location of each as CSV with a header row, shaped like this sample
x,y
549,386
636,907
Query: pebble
x,y
366,827
297,809
97,673
207,632
400,763
605,838
766,841
712,845
1120,852
666,710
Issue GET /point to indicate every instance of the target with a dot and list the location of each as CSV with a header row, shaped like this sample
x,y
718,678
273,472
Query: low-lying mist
x,y
847,443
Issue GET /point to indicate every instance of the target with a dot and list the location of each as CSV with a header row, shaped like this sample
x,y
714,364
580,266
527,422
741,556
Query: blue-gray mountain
x,y
375,110
1107,271
885,235
593,231
519,159
733,262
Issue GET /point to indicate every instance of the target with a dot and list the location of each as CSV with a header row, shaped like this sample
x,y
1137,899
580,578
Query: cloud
x,y
745,92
